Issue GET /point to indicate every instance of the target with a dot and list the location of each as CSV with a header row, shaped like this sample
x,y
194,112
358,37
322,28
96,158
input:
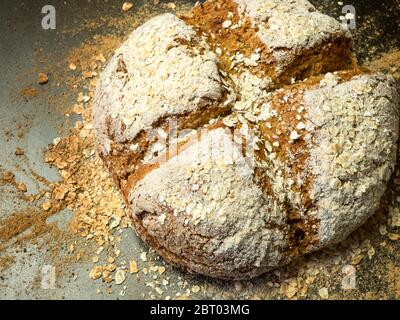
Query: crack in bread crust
x,y
332,54
124,163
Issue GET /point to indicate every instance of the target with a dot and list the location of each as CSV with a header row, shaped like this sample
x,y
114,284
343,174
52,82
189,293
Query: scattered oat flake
x,y
87,74
159,291
356,260
195,289
161,270
323,293
127,6
114,223
383,230
143,256
119,276
393,236
100,57
56,141
133,268
291,291
371,252
19,152
110,260
100,250
171,5
8,176
86,99
22,187
43,78
111,267
71,248
46,206
72,66
96,272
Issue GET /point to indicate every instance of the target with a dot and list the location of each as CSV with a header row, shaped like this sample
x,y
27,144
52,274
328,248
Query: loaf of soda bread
x,y
243,135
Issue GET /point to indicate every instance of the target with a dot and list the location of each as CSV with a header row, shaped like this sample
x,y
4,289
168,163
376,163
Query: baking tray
x,y
32,116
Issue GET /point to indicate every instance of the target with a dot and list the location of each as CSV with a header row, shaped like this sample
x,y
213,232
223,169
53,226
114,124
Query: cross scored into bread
x,y
243,135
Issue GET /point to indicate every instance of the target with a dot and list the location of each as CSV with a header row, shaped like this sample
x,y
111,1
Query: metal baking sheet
x,y
31,121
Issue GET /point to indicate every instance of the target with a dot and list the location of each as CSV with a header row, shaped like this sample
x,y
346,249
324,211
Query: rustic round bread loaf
x,y
243,135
